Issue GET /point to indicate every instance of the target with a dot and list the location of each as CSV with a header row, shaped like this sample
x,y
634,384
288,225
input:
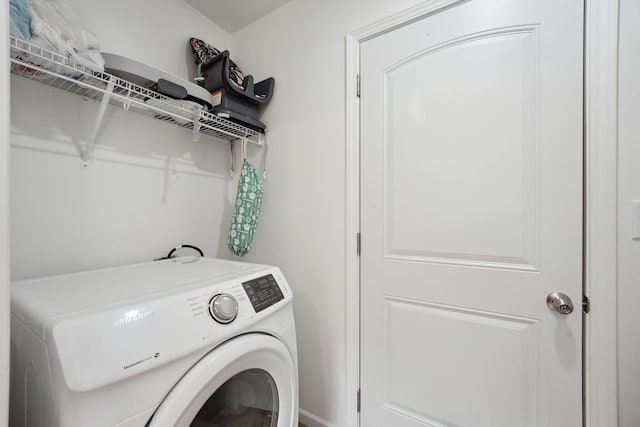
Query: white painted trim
x,y
601,173
4,215
401,19
601,32
312,420
352,263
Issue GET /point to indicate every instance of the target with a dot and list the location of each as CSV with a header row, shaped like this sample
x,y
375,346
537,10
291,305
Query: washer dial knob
x,y
223,308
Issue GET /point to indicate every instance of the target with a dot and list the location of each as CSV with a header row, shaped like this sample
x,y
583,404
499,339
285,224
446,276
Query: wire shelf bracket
x,y
196,125
106,97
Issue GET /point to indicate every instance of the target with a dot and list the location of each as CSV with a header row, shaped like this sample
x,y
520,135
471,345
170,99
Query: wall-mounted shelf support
x,y
127,103
106,97
243,154
196,124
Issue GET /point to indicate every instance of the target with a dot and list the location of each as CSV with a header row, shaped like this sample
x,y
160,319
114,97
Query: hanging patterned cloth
x,y
247,210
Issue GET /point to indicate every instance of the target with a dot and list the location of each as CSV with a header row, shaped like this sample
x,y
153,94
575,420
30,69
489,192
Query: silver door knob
x,y
559,302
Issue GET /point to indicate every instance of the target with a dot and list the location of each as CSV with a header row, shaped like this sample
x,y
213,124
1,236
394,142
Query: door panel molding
x,y
524,251
515,333
601,52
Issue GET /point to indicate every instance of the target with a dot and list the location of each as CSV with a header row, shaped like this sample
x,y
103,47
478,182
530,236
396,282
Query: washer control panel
x,y
194,316
263,292
240,301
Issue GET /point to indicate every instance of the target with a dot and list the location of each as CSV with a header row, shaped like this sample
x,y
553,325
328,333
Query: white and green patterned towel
x,y
247,210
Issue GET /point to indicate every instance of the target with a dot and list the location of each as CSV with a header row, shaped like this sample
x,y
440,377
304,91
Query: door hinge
x,y
586,304
358,85
358,400
358,244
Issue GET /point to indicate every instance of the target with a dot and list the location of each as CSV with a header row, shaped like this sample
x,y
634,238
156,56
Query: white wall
x,y
302,45
149,187
629,189
155,32
4,229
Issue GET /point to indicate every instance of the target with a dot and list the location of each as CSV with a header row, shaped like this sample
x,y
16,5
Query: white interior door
x,y
471,214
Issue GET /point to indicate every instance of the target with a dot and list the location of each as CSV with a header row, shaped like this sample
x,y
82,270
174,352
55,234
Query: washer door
x,y
249,381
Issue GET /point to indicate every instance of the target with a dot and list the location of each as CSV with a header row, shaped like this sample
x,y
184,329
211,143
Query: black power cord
x,y
172,251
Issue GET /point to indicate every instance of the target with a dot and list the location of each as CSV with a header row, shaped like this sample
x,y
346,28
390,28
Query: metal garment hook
x,y
243,155
232,168
243,151
265,148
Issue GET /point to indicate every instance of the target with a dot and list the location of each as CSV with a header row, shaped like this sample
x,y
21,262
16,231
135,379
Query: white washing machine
x,y
180,342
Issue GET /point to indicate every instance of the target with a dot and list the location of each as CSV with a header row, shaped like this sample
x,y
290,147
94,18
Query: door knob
x,y
559,302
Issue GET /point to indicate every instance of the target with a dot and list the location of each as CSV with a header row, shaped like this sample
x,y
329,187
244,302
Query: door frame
x,y
600,203
4,215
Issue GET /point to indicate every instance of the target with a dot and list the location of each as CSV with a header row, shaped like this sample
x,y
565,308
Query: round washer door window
x,y
250,381
249,399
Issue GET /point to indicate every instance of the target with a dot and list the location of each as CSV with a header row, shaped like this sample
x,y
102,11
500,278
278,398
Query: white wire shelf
x,y
52,69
